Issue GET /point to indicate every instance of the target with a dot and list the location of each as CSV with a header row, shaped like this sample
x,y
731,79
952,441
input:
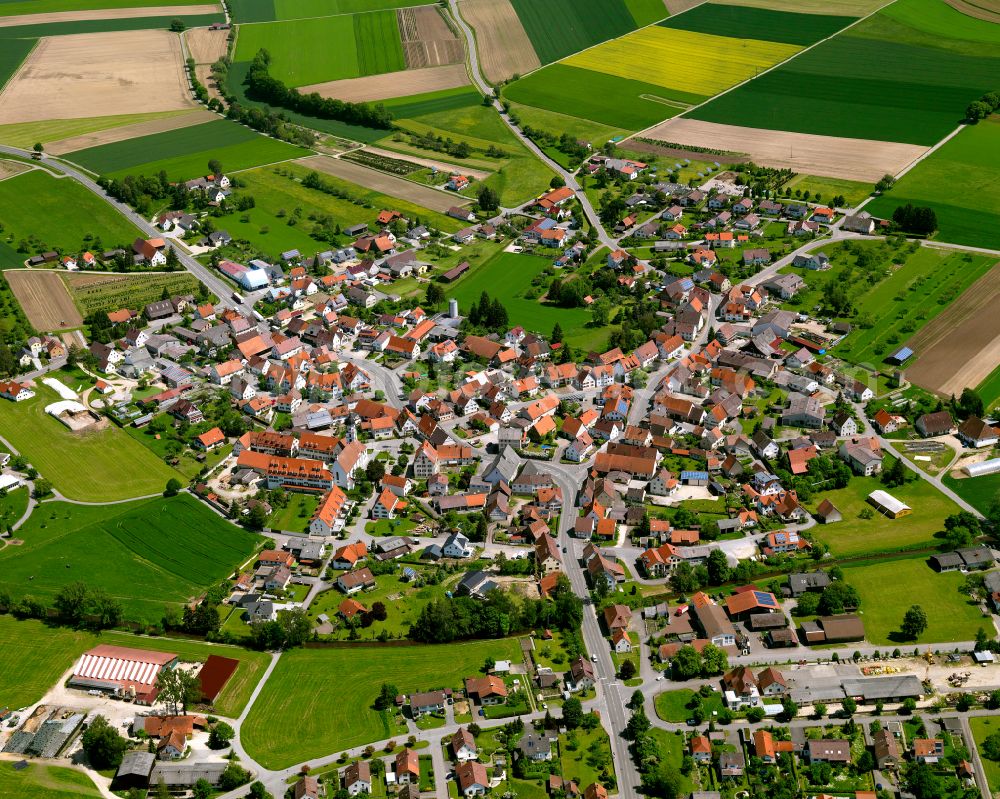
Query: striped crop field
x,y
686,61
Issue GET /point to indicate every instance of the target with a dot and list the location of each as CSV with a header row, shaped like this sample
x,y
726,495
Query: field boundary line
x,y
771,68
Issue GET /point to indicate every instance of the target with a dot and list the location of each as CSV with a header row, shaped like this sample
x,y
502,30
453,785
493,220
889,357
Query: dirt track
x,y
387,184
98,74
831,156
45,299
126,132
206,46
960,346
427,39
504,47
392,84
107,13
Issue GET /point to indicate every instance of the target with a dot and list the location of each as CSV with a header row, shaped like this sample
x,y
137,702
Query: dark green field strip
x,y
432,103
906,93
104,26
252,10
599,97
12,54
646,12
559,28
744,22
122,155
379,46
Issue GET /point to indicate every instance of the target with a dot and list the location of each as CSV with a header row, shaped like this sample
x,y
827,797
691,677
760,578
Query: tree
x,y
627,670
755,714
220,735
233,777
177,25
375,470
837,598
714,660
173,487
908,705
572,713
819,709
214,166
71,602
387,696
848,707
178,687
990,747
41,488
557,334
718,567
977,110
789,708
914,622
434,295
557,182
38,147
103,745
488,198
636,700
202,789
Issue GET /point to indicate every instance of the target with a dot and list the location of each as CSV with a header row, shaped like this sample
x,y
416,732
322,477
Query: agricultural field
x,y
989,389
434,102
759,23
45,782
37,655
334,714
148,554
982,728
504,48
428,41
85,15
113,291
857,536
960,348
961,182
851,8
367,44
117,467
123,73
162,124
582,24
12,54
923,82
184,153
102,24
977,491
507,277
18,7
552,122
888,588
271,10
44,299
46,213
395,84
25,134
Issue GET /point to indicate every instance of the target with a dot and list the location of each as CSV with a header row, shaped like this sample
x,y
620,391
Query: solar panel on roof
x,y
764,598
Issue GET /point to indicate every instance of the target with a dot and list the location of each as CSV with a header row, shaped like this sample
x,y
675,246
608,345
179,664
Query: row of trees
x,y
489,314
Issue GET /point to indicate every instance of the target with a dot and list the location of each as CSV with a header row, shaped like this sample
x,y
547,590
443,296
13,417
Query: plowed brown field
x,y
45,299
427,39
504,47
392,84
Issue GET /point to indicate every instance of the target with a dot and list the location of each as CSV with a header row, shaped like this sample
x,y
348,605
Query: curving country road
x,y
214,283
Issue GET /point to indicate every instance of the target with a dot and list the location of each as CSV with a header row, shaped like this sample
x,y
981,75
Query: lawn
x,y
296,515
672,748
329,694
582,24
184,153
915,89
367,44
507,277
45,782
857,536
116,466
35,656
12,506
58,214
672,706
983,727
977,491
961,182
759,23
584,754
25,134
11,55
888,588
148,554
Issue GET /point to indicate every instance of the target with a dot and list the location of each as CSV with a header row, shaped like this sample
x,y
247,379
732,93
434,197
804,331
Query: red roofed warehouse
x,y
120,670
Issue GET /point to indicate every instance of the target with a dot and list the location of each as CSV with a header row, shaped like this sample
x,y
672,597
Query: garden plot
x,y
123,72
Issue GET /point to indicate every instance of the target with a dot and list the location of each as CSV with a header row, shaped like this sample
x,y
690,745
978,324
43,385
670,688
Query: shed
x,y
886,504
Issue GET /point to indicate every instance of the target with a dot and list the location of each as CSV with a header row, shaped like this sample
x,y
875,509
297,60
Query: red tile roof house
x,y
407,767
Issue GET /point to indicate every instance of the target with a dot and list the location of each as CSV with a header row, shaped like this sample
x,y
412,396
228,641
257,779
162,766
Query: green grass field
x,y
989,389
645,12
11,55
25,134
961,182
582,24
553,122
295,516
596,96
36,655
672,706
854,191
416,105
977,491
12,506
38,30
271,10
856,536
933,16
758,23
506,277
117,466
11,8
184,153
148,554
983,727
367,44
58,214
889,588
915,89
329,693
45,782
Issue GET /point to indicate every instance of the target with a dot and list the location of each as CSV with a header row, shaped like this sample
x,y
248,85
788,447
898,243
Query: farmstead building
x,y
122,671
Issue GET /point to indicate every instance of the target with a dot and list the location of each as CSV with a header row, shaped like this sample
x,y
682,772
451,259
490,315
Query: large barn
x,y
120,670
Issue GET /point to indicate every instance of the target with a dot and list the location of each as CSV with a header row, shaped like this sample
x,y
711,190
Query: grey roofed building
x,y
535,746
504,467
798,584
898,686
186,774
134,770
476,584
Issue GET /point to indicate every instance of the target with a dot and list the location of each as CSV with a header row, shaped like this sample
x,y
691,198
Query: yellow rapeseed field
x,y
697,63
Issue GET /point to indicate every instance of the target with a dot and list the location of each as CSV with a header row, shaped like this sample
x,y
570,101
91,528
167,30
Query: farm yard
x,y
960,348
334,714
124,72
117,467
44,298
148,554
504,47
58,214
798,97
888,588
113,291
853,159
961,182
184,153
